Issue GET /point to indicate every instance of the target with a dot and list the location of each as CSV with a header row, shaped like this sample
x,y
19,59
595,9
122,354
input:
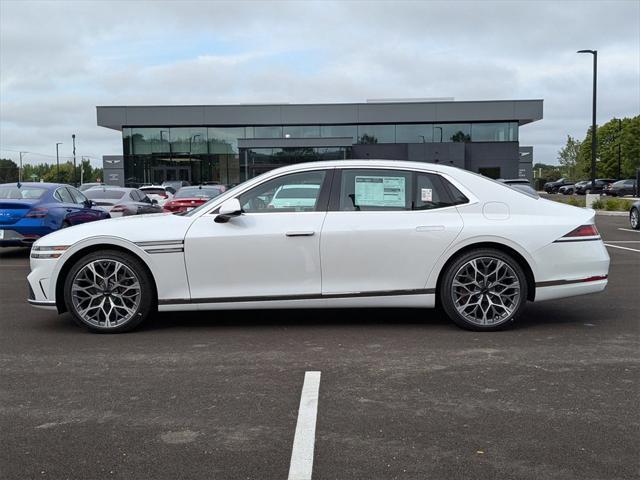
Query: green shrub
x,y
597,205
576,202
612,204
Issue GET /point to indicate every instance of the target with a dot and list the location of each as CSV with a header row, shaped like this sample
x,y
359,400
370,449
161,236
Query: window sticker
x,y
374,191
426,195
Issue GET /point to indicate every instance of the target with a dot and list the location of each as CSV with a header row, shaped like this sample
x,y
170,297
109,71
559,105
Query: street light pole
x,y
619,151
20,169
73,138
58,162
594,132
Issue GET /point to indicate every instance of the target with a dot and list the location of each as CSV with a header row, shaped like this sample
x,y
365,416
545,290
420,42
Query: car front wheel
x,y
109,292
483,290
634,218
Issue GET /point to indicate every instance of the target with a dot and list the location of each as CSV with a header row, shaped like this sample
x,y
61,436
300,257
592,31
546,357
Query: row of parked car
x,y
605,186
31,210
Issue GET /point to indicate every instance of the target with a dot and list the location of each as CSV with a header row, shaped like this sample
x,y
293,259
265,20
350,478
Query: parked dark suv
x,y
552,187
621,188
601,184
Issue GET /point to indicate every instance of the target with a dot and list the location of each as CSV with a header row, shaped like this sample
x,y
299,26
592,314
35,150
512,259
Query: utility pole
x,y
594,131
73,139
20,169
58,162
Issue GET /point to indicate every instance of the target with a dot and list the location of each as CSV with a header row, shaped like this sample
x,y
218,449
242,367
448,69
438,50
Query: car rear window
x,y
12,192
92,194
153,191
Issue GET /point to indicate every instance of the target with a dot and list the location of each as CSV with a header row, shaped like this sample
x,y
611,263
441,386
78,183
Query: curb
x,y
612,214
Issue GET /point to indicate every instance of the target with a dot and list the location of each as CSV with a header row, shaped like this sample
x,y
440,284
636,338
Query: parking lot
x,y
403,393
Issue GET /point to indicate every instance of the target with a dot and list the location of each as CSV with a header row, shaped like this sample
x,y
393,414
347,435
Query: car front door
x,y
82,208
384,230
270,252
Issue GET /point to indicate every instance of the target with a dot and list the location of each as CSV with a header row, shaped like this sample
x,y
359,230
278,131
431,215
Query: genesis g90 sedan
x,y
363,233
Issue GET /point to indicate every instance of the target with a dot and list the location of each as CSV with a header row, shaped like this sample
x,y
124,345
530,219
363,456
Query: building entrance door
x,y
167,174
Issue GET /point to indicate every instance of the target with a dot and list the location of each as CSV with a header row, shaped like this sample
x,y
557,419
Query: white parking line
x,y
303,442
629,230
622,248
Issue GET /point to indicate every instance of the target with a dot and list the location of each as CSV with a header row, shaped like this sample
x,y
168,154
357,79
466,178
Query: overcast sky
x,y
60,59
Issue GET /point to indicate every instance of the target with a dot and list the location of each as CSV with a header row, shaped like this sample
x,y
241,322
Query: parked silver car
x,y
122,202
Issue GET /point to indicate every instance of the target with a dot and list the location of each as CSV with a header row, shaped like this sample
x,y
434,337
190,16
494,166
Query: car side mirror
x,y
89,203
154,201
229,209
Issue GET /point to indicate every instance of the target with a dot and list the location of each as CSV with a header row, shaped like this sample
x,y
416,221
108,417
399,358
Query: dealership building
x,y
232,143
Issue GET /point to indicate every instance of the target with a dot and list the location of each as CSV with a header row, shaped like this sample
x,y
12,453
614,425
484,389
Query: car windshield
x,y
23,192
198,192
94,193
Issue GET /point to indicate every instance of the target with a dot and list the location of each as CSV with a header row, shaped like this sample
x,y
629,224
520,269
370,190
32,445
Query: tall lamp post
x,y
58,162
73,139
594,132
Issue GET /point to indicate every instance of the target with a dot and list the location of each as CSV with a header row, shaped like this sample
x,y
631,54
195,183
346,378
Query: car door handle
x,y
300,234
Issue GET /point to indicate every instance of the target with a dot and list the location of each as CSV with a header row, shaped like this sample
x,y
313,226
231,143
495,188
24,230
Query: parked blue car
x,y
29,211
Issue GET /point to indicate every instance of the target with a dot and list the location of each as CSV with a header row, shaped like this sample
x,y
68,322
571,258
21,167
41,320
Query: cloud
x,y
60,59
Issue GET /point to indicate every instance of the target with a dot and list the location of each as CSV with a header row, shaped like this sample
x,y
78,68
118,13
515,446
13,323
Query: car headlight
x,y
38,251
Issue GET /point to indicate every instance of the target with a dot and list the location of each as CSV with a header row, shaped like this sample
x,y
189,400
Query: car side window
x,y
77,196
375,190
431,192
296,192
63,195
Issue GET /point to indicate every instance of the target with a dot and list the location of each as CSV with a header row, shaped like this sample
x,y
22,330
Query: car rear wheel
x,y
109,292
483,290
634,218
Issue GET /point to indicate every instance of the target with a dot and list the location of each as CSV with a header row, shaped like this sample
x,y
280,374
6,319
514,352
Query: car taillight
x,y
119,209
583,231
164,195
37,212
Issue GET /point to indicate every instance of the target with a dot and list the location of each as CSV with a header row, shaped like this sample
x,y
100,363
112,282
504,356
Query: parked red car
x,y
188,198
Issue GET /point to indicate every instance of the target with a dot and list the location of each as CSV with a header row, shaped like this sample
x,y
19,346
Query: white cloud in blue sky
x,y
58,60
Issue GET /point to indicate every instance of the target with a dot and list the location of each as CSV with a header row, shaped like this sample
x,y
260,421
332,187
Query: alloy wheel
x,y
106,293
634,218
486,291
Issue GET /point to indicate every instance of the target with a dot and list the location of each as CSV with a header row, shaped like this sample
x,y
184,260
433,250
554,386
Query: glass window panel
x,y
186,141
339,131
146,141
267,132
301,131
376,133
430,192
414,133
126,141
224,139
494,132
452,132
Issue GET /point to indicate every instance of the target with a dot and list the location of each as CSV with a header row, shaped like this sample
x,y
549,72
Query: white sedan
x,y
377,234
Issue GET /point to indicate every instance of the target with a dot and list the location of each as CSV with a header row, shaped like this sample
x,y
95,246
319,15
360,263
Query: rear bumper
x,y
567,269
21,236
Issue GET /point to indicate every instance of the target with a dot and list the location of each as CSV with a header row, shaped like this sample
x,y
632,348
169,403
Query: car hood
x,y
138,228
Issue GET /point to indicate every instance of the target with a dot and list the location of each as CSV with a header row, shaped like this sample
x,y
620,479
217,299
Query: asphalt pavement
x,y
403,393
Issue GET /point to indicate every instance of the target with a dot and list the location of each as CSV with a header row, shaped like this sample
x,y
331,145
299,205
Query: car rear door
x,y
384,230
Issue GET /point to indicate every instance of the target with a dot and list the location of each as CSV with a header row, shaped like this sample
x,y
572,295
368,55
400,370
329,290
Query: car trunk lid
x,y
13,210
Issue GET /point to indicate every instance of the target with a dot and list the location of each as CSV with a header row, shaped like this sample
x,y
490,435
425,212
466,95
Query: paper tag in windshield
x,y
427,195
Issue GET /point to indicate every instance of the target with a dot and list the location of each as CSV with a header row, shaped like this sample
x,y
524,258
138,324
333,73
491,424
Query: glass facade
x,y
211,154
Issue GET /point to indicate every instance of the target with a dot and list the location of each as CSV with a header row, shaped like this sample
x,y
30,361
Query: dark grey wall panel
x,y
381,151
523,111
444,153
493,154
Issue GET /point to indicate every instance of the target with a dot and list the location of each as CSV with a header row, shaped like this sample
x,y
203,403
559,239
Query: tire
x,y
497,317
131,298
634,218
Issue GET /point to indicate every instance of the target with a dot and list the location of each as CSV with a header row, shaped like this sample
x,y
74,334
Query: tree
x,y
568,157
617,135
8,171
